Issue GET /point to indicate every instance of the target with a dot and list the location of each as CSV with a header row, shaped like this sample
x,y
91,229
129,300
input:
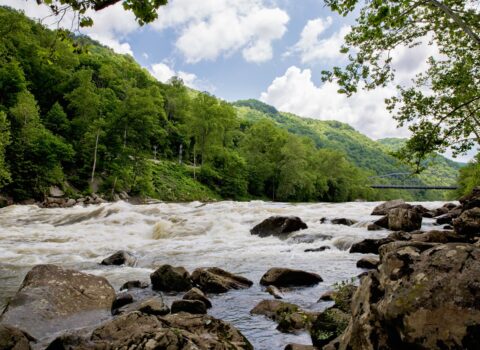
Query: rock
x,y
134,284
402,236
450,206
369,245
12,338
374,227
384,208
70,203
400,219
368,263
284,277
180,331
420,209
150,306
319,249
290,317
5,201
343,221
382,222
293,346
216,280
197,294
327,296
328,326
190,306
272,290
52,299
121,257
468,223
436,236
171,279
122,299
447,227
55,191
278,225
343,295
309,238
447,218
471,200
419,299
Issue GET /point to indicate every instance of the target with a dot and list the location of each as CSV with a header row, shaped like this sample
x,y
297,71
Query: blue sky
x,y
272,50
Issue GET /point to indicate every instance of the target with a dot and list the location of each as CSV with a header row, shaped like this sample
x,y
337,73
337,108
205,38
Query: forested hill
x,y
76,115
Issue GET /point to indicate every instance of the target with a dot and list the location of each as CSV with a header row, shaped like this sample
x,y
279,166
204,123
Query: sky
x,y
271,50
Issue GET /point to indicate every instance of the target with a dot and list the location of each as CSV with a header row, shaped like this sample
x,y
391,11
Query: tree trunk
x,y
95,156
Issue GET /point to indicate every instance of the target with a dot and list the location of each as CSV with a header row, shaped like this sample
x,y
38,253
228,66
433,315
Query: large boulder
x,y
168,278
52,299
401,219
284,277
424,296
471,200
140,331
12,338
369,245
121,257
328,325
216,280
384,208
468,223
278,226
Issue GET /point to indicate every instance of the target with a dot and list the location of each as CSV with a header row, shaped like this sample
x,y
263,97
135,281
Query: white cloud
x,y
211,28
162,72
312,48
295,92
111,25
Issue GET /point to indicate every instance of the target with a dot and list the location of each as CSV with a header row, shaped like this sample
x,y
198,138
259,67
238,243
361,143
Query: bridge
x,y
408,182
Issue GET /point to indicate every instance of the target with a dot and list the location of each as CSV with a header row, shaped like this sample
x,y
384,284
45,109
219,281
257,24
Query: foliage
x,y
442,106
470,176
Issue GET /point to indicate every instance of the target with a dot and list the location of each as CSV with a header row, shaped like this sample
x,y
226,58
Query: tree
x,y
145,10
4,142
442,107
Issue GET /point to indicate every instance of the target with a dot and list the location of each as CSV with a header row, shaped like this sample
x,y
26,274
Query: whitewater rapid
x,y
191,235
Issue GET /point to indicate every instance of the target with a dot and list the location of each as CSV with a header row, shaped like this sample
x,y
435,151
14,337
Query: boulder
x,y
284,277
134,284
374,227
290,317
52,299
55,191
140,331
168,278
12,338
190,306
471,200
121,257
447,218
327,296
468,223
401,219
449,206
424,296
402,236
384,208
319,249
369,245
343,221
216,280
122,299
278,226
151,306
328,325
69,203
293,346
382,222
437,236
368,263
197,294
274,291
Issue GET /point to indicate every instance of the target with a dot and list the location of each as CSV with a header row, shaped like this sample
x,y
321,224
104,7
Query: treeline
x,y
76,115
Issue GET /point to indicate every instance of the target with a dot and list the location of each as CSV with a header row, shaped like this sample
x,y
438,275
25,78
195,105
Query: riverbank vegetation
x,y
75,115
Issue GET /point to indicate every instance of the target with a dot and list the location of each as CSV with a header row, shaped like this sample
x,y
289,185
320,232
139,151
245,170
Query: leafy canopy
x,y
442,105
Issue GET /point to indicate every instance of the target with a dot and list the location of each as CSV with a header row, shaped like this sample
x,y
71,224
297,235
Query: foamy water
x,y
190,235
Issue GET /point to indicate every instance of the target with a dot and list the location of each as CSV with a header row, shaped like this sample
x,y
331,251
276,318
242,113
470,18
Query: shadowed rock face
x,y
52,299
141,331
424,296
283,277
278,226
13,339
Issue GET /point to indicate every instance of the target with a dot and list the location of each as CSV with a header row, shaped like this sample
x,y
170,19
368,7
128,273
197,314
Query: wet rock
x,y
134,284
308,238
450,206
284,277
436,236
401,219
299,347
374,227
168,278
369,245
122,299
140,331
278,226
384,208
121,257
328,325
447,218
382,222
12,338
216,280
401,235
197,294
468,223
368,263
151,306
319,249
343,221
52,299
272,290
420,209
327,296
70,203
190,306
290,317
424,296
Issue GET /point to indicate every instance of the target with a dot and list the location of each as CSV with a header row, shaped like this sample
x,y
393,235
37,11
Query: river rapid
x,y
191,235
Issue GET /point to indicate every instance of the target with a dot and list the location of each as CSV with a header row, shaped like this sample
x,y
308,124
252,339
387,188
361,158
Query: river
x,y
190,235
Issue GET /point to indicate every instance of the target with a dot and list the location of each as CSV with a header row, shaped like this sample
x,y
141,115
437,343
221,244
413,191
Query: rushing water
x,y
191,235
